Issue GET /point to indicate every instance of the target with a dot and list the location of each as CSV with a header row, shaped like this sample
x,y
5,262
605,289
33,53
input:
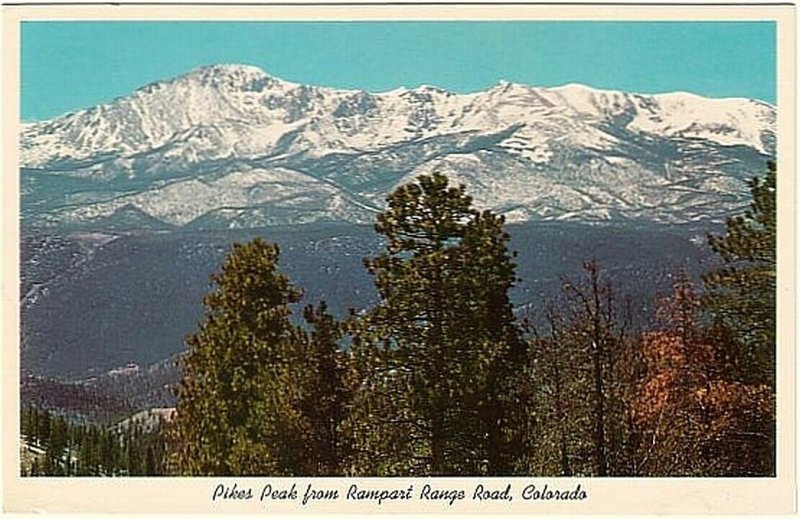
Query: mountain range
x,y
229,146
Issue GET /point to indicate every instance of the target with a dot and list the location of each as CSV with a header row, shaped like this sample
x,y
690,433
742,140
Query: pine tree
x,y
133,455
44,426
325,394
151,467
436,355
741,293
238,398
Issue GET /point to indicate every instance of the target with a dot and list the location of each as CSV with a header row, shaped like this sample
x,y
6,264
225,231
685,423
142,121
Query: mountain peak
x,y
431,89
506,86
231,76
577,87
220,76
225,69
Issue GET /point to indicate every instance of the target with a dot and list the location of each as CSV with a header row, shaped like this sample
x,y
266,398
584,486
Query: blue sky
x,y
72,65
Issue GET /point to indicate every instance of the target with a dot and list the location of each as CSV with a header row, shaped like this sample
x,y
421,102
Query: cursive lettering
x,y
222,491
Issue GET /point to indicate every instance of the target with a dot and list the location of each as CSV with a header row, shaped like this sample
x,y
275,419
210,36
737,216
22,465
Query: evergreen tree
x,y
59,435
239,398
151,467
437,355
277,390
133,455
92,450
44,424
325,394
741,293
88,453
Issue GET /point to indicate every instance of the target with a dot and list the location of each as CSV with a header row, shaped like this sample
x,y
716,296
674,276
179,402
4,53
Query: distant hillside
x,y
133,299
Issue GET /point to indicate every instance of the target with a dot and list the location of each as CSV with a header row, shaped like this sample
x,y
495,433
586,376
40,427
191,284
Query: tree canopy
x,y
439,348
741,292
236,413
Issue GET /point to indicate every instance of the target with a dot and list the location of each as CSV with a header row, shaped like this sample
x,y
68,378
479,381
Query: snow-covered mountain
x,y
230,146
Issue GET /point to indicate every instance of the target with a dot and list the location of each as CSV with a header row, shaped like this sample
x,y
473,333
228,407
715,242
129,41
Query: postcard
x,y
450,259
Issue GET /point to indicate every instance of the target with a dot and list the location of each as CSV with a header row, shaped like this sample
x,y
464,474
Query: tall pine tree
x,y
238,398
437,355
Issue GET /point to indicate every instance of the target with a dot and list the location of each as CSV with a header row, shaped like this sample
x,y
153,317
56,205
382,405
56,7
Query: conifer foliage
x,y
741,293
259,394
51,445
325,394
437,354
239,396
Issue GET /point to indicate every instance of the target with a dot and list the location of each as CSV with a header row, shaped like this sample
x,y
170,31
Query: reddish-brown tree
x,y
694,419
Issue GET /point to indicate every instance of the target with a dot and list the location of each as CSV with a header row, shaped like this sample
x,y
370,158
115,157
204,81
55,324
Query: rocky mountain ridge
x,y
229,146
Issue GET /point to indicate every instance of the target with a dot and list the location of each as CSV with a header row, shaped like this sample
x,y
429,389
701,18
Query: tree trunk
x,y
598,352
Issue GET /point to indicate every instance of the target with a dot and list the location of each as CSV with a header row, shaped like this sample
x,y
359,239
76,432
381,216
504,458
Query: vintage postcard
x,y
484,259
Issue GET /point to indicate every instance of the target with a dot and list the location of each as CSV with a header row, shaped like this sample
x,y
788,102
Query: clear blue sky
x,y
73,65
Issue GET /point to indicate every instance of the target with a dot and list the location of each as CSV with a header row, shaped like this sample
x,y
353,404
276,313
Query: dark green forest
x,y
54,446
440,378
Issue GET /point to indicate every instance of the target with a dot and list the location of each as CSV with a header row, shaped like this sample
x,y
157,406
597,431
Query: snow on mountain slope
x,y
229,145
181,202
